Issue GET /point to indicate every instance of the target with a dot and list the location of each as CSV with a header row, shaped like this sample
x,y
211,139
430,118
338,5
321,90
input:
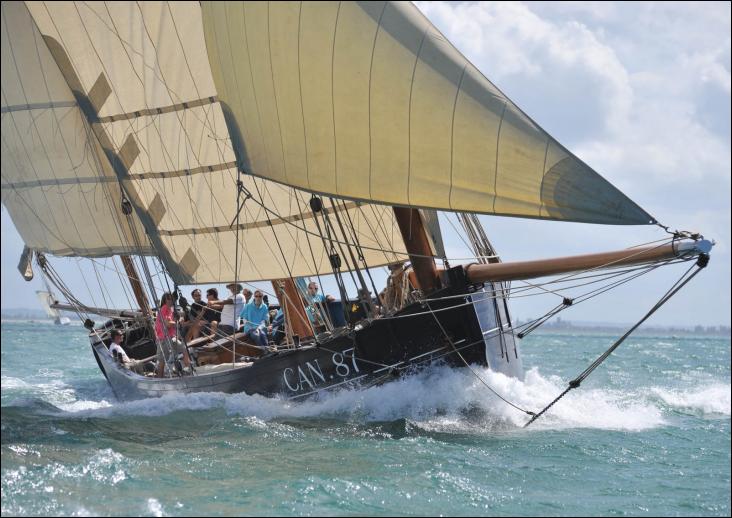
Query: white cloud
x,y
629,108
641,92
533,59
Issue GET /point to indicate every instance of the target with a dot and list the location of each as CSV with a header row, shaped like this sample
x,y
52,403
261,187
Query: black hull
x,y
382,350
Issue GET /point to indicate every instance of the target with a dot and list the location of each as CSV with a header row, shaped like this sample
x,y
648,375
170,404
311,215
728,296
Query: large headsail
x,y
56,183
367,100
143,77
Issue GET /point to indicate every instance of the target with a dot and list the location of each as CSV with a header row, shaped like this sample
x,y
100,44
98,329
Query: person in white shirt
x,y
116,345
230,309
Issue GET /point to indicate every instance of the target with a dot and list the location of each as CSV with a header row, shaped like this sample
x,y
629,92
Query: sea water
x,y
647,434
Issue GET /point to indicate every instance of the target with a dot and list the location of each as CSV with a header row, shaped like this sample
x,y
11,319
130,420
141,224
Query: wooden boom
x,y
632,256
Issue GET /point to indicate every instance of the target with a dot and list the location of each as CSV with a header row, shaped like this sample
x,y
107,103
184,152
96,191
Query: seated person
x,y
256,318
195,316
211,317
277,327
116,350
398,288
116,346
230,309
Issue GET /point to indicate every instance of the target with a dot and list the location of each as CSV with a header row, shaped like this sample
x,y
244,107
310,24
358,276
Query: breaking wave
x,y
436,400
714,399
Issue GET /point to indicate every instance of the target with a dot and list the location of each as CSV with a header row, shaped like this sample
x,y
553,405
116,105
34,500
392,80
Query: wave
x,y
710,400
436,400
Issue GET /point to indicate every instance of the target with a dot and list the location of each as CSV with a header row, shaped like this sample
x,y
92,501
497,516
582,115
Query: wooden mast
x,y
136,284
296,318
631,256
418,247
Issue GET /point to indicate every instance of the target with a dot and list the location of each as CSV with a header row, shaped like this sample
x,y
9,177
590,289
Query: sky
x,y
639,91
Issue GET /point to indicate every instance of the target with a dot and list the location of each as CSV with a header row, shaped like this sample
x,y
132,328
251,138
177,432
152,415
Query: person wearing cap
x,y
247,295
230,309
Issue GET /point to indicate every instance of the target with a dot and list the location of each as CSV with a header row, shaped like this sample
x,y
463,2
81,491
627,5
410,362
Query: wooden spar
x,y
418,247
104,312
296,319
135,283
543,267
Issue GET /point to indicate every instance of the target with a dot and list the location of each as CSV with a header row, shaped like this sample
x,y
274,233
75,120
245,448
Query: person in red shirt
x,y
165,332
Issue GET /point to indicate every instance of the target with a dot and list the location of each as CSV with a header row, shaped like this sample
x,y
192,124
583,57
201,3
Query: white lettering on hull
x,y
312,375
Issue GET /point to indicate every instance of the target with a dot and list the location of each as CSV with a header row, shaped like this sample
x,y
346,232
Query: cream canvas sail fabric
x,y
367,100
61,196
140,71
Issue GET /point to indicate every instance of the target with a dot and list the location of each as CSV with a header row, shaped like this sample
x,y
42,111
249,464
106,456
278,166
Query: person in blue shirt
x,y
317,304
256,318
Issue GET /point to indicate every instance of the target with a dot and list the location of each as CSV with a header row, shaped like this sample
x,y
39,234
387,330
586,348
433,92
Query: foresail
x,y
367,100
144,76
46,299
56,184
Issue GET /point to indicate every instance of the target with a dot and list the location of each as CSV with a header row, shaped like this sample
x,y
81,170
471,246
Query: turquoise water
x,y
648,434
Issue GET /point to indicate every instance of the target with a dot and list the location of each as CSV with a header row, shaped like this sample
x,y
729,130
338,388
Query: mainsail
x,y
135,83
367,100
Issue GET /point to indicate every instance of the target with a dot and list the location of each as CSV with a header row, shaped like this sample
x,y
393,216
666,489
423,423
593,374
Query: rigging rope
x,y
452,344
701,263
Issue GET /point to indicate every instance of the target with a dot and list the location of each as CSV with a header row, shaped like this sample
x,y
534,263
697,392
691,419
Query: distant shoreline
x,y
568,327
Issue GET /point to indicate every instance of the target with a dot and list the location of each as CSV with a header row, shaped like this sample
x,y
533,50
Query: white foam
x,y
9,383
714,399
439,399
154,507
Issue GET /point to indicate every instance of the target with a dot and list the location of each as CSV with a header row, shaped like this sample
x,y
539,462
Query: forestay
x,y
141,74
367,100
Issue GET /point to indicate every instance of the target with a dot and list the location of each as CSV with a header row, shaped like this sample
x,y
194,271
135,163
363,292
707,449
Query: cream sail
x,y
141,72
367,100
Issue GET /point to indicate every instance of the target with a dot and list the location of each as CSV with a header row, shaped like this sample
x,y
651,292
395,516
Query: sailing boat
x,y
47,300
272,141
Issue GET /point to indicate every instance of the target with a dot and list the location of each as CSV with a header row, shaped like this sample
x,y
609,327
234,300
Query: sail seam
x,y
332,97
409,115
371,68
109,179
159,111
543,176
452,131
38,106
498,142
302,104
251,80
274,93
246,226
